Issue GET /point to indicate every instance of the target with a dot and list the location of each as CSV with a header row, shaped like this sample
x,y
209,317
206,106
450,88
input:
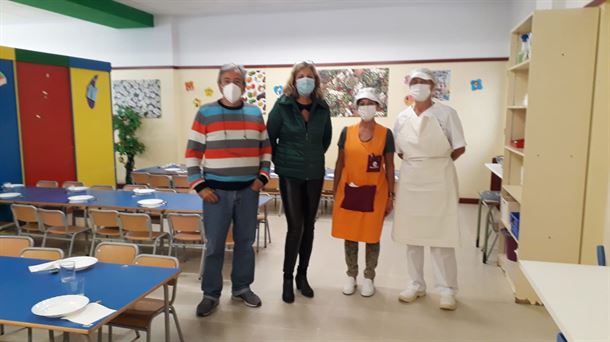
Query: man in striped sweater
x,y
228,156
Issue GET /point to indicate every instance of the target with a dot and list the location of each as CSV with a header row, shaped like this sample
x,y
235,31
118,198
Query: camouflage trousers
x,y
351,259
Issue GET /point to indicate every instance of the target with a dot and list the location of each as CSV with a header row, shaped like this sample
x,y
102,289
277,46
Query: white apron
x,y
427,199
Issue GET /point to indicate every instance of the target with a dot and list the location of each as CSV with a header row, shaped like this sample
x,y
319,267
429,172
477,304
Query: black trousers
x,y
300,199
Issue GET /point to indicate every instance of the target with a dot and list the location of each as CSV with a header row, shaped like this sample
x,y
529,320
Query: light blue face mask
x,y
305,86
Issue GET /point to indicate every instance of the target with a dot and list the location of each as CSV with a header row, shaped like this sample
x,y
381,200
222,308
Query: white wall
x,y
522,8
414,32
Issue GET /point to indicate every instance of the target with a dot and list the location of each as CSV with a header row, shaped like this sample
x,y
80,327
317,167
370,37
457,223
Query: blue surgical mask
x,y
305,86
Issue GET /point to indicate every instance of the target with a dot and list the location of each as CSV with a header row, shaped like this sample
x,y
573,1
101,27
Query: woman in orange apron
x,y
364,179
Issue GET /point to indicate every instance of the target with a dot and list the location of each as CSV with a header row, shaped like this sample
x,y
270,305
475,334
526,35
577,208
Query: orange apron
x,y
358,225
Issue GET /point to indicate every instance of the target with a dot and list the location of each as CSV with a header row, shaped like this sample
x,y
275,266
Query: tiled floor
x,y
486,310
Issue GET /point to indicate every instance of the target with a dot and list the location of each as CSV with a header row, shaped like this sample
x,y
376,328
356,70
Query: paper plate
x,y
78,188
81,262
5,195
143,191
80,198
60,305
11,186
151,202
173,169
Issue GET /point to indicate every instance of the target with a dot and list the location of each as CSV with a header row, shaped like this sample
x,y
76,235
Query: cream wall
x,y
480,111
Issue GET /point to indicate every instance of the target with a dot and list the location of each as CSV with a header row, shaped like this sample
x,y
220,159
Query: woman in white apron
x,y
429,137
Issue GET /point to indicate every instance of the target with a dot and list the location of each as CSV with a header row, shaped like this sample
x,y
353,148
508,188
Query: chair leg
x,y
486,238
51,336
201,262
173,312
110,333
92,244
169,250
148,334
479,223
29,334
71,245
44,239
1,329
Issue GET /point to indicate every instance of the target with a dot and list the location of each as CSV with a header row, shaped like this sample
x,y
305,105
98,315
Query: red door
x,y
46,122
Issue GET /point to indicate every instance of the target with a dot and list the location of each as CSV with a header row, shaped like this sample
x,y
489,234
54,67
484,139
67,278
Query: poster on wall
x,y
443,80
340,86
144,96
255,89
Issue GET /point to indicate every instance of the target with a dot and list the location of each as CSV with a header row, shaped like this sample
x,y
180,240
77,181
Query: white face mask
x,y
367,113
420,92
232,92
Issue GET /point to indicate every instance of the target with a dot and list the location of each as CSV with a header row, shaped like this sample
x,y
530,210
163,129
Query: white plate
x,y
60,305
11,186
143,191
78,188
80,262
173,169
80,198
9,195
151,202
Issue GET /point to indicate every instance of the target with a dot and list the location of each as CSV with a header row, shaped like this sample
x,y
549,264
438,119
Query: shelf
x,y
525,26
517,151
506,225
514,190
516,107
523,66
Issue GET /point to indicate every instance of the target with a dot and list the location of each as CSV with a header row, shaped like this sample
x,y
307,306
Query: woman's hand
x,y
389,206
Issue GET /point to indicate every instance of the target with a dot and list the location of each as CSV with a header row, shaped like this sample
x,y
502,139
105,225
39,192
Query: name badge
x,y
374,164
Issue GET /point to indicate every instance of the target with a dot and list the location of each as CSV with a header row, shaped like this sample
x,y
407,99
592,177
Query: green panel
x,y
103,12
41,58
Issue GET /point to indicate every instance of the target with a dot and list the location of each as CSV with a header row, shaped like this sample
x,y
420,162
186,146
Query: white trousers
x,y
443,262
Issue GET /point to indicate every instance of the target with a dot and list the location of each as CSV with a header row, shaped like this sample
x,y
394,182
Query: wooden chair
x,y
116,252
160,181
180,182
137,227
47,184
262,219
131,187
102,187
272,188
12,245
44,253
328,195
140,316
55,226
68,184
140,178
186,230
26,220
104,226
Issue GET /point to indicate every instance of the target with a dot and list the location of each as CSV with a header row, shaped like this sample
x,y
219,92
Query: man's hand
x,y
389,206
257,185
208,195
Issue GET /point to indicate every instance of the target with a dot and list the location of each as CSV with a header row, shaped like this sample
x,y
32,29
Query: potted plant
x,y
126,122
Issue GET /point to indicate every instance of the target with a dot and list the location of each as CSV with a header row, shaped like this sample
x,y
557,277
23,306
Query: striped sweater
x,y
228,148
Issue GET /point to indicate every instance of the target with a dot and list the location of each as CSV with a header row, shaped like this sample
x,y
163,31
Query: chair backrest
x,y
140,178
47,184
328,185
160,181
44,253
135,223
185,223
68,184
165,190
13,245
102,187
273,185
116,252
52,218
103,218
24,213
131,187
159,261
601,255
181,181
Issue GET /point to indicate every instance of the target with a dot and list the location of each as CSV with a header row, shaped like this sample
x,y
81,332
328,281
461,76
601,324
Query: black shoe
x,y
206,307
303,285
288,291
249,298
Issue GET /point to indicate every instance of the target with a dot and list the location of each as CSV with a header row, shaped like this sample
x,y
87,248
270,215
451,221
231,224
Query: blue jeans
x,y
239,207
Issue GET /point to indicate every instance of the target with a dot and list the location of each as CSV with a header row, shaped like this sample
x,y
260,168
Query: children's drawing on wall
x,y
278,90
189,86
209,91
443,82
255,89
3,80
92,92
144,96
341,85
476,84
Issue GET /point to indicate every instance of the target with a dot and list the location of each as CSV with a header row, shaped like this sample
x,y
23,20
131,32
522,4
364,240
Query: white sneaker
x,y
350,286
411,294
368,288
448,301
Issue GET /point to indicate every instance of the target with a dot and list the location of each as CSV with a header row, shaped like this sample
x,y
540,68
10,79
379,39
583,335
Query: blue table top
x,y
117,286
175,202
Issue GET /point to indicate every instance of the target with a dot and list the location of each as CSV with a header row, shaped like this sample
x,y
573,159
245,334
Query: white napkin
x,y
43,267
91,313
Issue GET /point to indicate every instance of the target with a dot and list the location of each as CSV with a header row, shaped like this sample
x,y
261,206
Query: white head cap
x,y
368,93
423,73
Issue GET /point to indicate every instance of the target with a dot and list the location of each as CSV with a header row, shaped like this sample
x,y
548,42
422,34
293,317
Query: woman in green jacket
x,y
300,131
